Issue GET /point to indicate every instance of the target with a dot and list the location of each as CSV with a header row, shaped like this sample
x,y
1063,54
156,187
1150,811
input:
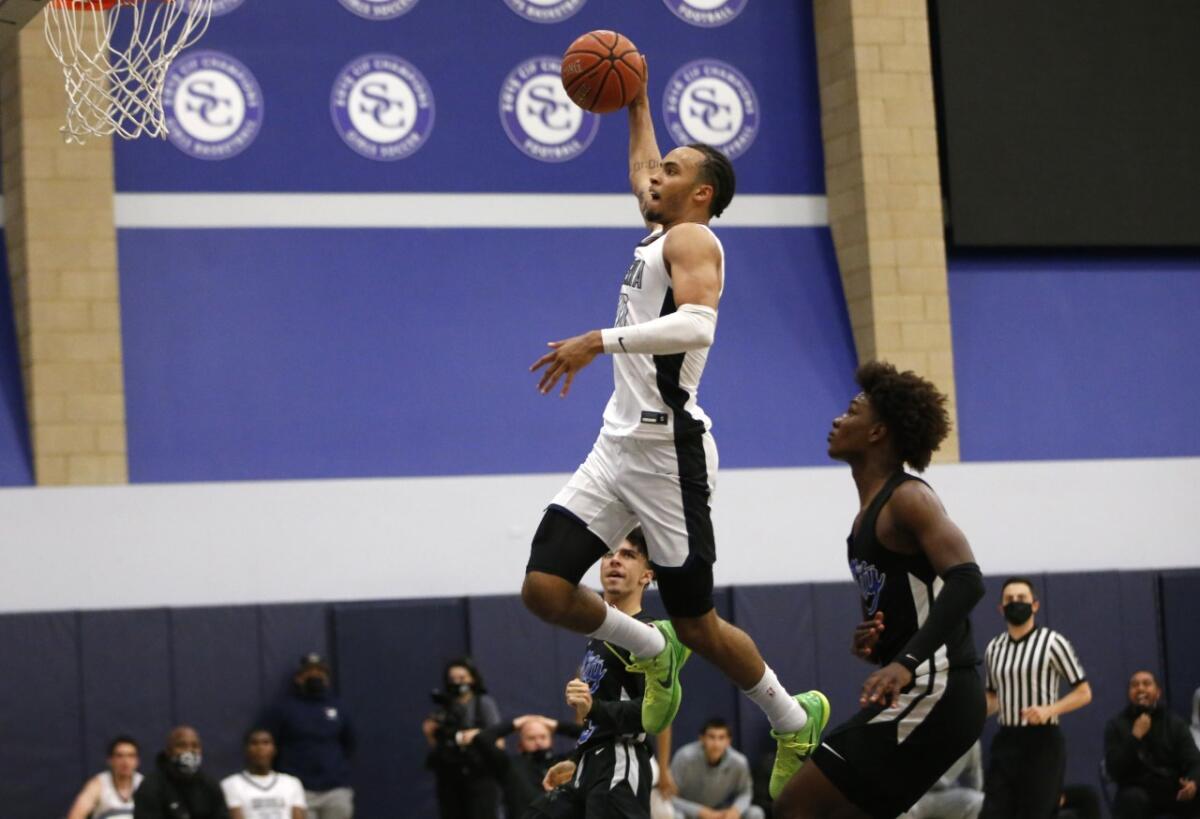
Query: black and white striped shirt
x,y
1029,671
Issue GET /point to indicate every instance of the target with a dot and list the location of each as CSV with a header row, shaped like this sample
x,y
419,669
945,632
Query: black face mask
x,y
544,756
462,689
1018,613
315,686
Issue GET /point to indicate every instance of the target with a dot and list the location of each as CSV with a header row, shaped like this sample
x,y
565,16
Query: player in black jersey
x,y
918,582
610,768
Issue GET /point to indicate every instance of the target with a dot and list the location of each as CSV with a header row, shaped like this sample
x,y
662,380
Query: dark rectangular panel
x,y
839,674
516,654
1141,633
42,756
1180,599
127,684
389,656
781,621
288,632
1086,612
216,667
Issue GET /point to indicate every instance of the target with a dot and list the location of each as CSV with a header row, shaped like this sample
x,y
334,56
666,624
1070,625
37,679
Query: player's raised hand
x,y
579,697
565,359
884,686
559,774
866,635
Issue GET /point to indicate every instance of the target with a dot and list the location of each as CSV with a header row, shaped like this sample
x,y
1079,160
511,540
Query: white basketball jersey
x,y
263,797
111,805
654,396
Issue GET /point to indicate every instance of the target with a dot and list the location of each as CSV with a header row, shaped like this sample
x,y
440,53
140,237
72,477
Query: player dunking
x,y
655,461
918,581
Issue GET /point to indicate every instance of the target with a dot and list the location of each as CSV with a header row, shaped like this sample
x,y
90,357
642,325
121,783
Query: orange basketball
x,y
602,71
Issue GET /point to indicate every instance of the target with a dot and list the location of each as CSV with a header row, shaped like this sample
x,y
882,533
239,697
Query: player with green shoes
x,y
655,461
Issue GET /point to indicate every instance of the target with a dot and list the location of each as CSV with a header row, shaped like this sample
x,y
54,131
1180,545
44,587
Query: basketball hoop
x,y
115,55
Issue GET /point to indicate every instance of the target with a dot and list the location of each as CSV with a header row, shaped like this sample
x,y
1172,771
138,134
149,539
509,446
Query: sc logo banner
x,y
539,117
213,105
706,13
711,102
379,9
382,107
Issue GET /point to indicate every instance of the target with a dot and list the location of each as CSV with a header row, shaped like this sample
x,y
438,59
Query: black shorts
x,y
884,761
611,782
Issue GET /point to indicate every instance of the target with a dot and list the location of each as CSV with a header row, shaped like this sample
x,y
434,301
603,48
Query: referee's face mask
x,y
1017,603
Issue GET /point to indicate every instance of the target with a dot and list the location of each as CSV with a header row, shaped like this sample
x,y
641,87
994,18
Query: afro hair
x,y
910,407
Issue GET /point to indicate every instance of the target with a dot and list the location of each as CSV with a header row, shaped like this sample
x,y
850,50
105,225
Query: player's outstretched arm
x,y
644,156
919,515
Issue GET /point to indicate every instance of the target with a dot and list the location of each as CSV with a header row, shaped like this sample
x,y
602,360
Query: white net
x,y
115,55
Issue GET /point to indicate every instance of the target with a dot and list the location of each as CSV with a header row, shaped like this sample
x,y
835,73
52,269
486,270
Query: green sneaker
x,y
795,748
660,703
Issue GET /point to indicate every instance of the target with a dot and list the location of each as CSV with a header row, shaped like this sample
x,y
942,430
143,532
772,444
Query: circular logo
x,y
706,13
219,7
545,11
213,105
711,102
379,9
539,117
382,107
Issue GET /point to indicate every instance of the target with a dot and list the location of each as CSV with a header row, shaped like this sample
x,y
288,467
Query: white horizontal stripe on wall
x,y
434,210
265,542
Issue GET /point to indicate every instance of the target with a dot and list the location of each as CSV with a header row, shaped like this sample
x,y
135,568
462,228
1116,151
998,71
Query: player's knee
x,y
547,596
697,633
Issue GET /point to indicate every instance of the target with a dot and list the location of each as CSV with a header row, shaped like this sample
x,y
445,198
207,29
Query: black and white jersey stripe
x,y
1030,671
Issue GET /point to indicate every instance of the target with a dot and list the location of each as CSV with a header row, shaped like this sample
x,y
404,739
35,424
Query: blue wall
x,y
1059,358
16,460
75,679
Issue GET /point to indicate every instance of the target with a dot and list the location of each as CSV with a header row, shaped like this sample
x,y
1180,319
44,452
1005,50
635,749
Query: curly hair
x,y
910,407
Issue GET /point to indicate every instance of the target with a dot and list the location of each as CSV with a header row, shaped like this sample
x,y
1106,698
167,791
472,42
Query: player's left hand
x,y
559,774
1037,714
579,697
565,359
884,686
1188,792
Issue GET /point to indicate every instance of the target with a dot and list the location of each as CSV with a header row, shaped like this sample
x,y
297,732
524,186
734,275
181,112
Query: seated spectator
x,y
713,779
315,739
109,794
958,794
1150,755
520,775
260,792
177,787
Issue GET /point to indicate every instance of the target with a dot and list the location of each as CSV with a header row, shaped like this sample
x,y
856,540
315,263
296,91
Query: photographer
x,y
465,787
1149,753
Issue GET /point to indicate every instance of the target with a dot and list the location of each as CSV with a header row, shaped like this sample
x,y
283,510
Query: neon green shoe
x,y
660,702
795,748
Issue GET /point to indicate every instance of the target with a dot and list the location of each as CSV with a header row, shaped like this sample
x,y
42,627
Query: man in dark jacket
x,y
177,788
1149,753
520,775
315,739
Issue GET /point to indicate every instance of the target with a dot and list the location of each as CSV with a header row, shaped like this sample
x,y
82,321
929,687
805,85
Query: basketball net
x,y
115,55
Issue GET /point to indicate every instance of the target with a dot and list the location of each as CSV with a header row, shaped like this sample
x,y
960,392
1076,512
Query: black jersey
x,y
903,587
616,694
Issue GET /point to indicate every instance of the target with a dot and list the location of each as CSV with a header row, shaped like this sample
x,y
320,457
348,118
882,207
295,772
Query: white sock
x,y
783,712
638,638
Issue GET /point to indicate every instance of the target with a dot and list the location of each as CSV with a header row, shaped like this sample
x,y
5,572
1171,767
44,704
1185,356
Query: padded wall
x,y
16,462
81,678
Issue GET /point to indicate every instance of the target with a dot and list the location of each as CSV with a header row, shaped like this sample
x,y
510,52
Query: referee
x,y
1025,668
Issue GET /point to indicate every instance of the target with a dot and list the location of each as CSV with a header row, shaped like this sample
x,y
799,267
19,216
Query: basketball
x,y
602,71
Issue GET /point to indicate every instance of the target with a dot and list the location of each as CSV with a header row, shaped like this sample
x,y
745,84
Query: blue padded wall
x,y
1180,598
389,657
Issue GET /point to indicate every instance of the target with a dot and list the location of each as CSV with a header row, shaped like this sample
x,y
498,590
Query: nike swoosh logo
x,y
621,341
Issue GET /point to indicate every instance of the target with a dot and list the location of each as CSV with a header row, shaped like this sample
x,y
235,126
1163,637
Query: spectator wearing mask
x,y
177,788
520,776
465,787
315,739
1150,754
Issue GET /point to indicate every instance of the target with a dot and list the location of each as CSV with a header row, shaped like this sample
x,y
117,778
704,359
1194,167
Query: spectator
x,y
713,779
520,776
465,788
315,739
109,794
958,794
259,792
177,788
1151,756
1025,669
